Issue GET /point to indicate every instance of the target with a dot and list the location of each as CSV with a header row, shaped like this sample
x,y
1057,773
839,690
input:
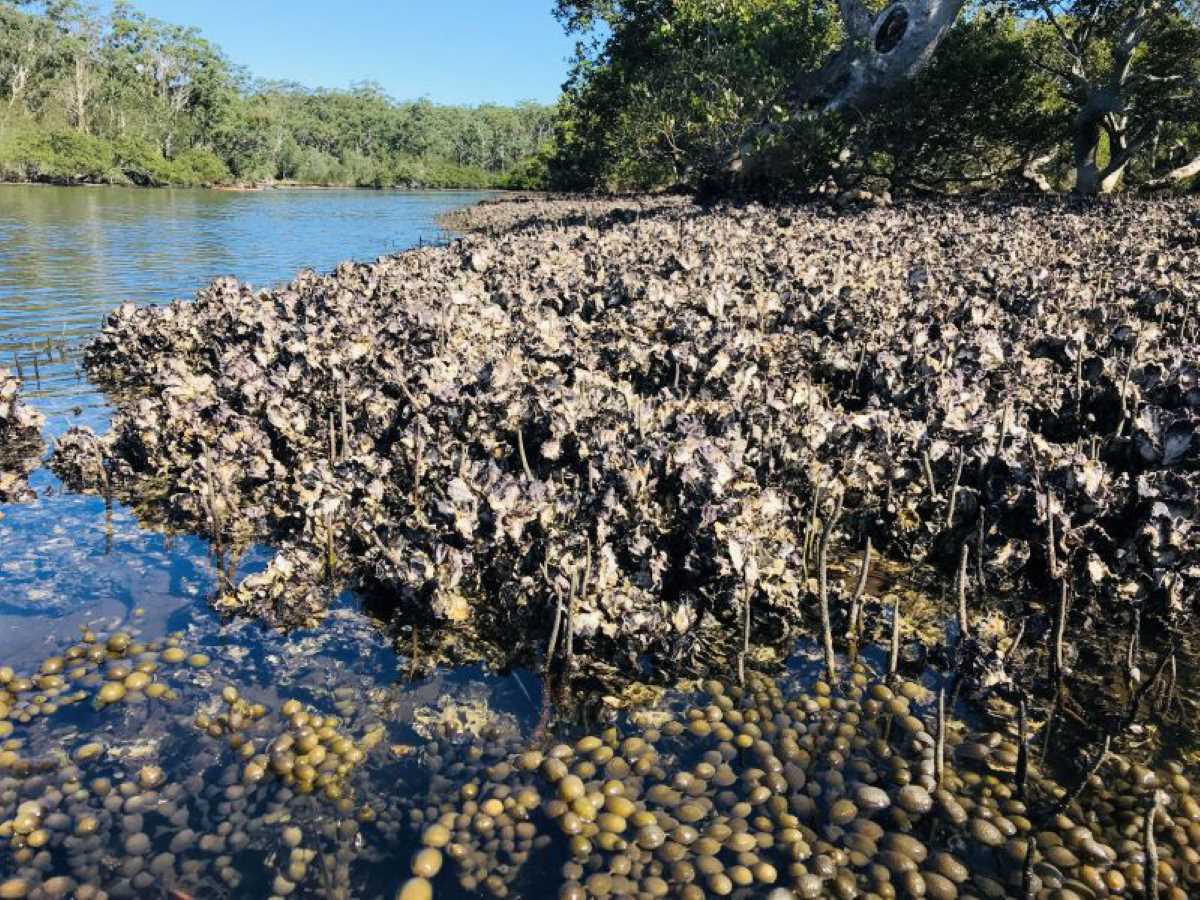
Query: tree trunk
x,y
80,90
881,52
17,86
1090,177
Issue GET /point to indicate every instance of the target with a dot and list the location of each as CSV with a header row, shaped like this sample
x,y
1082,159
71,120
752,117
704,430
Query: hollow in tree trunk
x,y
1092,178
880,52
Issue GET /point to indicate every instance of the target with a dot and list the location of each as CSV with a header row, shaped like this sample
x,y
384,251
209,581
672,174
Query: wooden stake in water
x,y
823,587
558,614
894,655
854,626
524,458
745,638
570,660
1151,847
1060,627
1027,891
964,625
1051,543
1022,748
939,758
927,462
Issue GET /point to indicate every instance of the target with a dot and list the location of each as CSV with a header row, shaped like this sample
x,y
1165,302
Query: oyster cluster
x,y
20,440
634,418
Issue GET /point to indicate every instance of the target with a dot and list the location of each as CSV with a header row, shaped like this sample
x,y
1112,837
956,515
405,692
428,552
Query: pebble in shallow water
x,y
299,747
110,670
813,792
804,794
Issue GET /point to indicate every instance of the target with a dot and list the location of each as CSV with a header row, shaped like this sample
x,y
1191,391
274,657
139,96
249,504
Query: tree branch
x,y
1131,36
880,53
1067,40
1073,78
1178,174
1128,149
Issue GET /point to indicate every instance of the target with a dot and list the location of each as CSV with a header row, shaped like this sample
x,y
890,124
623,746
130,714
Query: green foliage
x,y
1128,75
141,163
977,115
58,156
65,156
663,92
676,82
130,99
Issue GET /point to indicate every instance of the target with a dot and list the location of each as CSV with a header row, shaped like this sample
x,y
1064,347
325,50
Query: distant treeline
x,y
125,98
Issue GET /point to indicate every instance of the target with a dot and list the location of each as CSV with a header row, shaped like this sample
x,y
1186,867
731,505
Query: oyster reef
x,y
803,553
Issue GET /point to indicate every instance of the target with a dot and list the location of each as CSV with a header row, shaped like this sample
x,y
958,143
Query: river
x,y
70,566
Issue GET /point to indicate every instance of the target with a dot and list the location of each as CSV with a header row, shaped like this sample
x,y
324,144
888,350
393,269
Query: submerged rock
x,y
807,791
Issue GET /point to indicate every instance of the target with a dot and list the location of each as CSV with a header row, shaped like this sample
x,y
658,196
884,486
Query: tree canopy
x,y
853,96
914,94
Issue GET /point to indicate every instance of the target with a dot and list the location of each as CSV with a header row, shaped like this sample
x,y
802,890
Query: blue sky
x,y
453,51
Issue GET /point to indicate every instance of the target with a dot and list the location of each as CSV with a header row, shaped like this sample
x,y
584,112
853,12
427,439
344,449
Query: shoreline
x,y
262,188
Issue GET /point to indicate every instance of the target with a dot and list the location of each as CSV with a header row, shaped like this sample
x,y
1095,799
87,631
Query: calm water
x,y
67,257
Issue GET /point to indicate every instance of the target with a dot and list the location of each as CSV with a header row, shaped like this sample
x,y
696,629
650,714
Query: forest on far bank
x,y
124,98
858,98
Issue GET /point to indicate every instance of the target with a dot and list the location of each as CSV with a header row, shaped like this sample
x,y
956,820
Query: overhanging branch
x,y
1178,174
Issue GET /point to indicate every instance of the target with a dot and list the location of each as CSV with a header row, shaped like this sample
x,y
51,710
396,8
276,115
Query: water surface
x,y
69,563
69,255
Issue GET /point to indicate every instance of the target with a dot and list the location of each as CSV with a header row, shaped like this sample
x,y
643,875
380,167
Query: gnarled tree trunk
x,y
880,53
1091,178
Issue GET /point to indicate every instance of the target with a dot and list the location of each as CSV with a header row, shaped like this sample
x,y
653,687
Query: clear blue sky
x,y
452,51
